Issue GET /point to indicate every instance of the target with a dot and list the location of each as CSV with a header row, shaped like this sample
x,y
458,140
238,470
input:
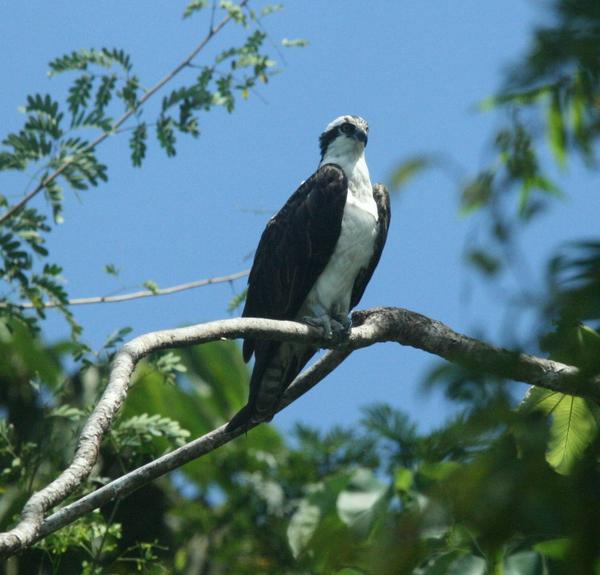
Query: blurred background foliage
x,y
504,488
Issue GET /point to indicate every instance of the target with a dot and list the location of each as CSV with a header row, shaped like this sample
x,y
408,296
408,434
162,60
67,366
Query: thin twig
x,y
369,327
137,294
212,32
213,11
109,523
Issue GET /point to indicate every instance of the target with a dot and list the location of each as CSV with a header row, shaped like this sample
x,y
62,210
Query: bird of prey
x,y
313,261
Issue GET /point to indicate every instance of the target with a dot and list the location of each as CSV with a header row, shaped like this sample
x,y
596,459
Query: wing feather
x,y
295,248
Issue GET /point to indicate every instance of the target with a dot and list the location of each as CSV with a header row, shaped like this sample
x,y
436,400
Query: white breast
x,y
353,249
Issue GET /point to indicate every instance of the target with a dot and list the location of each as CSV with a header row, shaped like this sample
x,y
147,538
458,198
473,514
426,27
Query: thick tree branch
x,y
118,123
369,327
138,294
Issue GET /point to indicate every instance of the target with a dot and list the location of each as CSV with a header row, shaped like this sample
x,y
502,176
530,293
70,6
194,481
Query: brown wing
x,y
295,248
382,199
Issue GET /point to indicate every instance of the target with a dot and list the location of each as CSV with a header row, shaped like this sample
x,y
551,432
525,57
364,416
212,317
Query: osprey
x,y
313,261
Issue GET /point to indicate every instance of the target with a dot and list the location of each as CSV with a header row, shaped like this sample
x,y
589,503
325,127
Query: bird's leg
x,y
335,325
321,320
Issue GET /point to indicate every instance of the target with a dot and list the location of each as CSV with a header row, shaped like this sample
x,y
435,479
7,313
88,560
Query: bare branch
x,y
133,480
369,327
101,418
138,294
104,135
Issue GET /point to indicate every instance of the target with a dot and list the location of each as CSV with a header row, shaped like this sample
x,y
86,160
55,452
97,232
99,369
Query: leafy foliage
x,y
410,168
140,430
194,6
58,142
169,364
574,277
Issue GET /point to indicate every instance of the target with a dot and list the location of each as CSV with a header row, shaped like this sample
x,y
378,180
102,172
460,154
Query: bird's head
x,y
345,136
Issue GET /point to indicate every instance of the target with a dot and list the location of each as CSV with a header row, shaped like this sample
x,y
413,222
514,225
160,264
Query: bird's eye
x,y
347,128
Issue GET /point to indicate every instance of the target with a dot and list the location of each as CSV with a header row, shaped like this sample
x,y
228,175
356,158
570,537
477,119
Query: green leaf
x,y
141,431
573,429
129,92
477,193
81,535
10,161
48,286
556,129
438,471
137,144
573,426
546,185
235,11
151,286
574,343
317,508
169,364
111,269
524,563
224,95
302,526
467,565
68,412
118,56
54,193
52,269
556,549
82,167
363,500
271,492
193,7
116,338
389,423
79,94
580,102
43,104
525,97
27,146
403,479
166,134
44,124
270,9
410,168
81,59
216,387
104,92
483,262
294,42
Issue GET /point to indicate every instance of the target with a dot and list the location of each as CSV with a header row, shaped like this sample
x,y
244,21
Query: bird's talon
x,y
341,326
321,323
339,331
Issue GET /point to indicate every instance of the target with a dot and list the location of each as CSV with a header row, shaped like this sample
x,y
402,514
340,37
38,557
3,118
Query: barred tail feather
x,y
269,383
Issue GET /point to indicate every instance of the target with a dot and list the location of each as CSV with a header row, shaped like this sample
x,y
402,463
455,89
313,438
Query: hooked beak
x,y
361,136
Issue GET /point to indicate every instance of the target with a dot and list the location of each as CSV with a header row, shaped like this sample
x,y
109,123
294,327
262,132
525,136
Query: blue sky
x,y
413,69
